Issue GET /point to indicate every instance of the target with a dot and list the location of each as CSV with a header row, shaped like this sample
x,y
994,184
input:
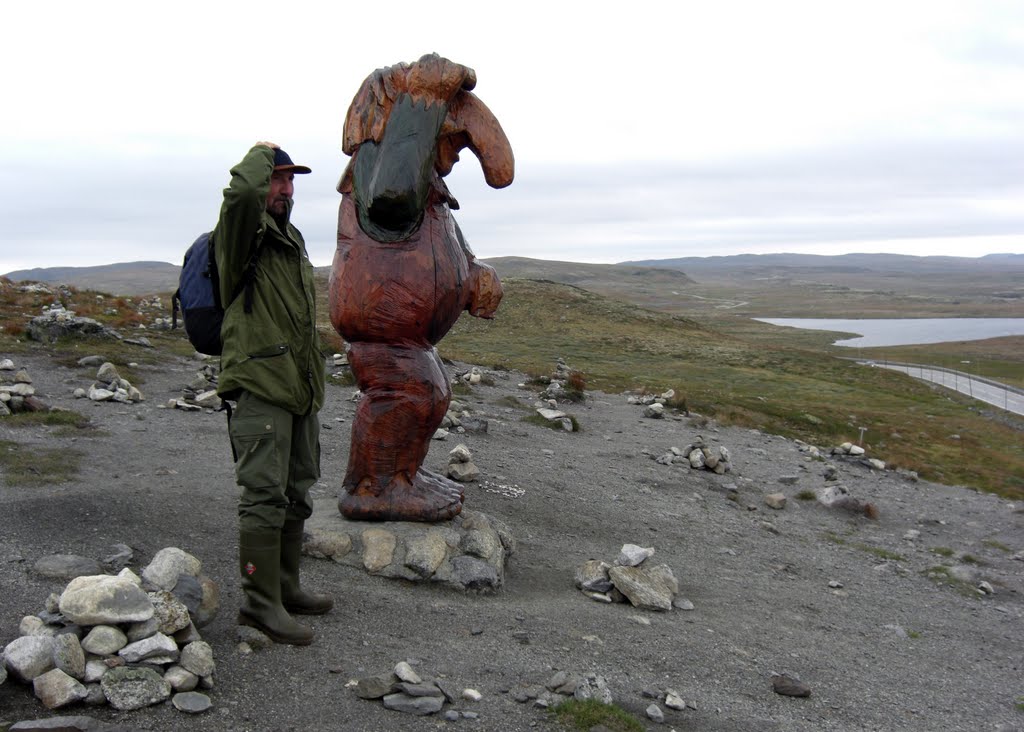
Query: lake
x,y
907,331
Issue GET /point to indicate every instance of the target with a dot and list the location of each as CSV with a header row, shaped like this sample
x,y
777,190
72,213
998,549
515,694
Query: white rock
x,y
29,656
104,600
460,454
472,695
405,672
56,689
632,555
168,563
158,645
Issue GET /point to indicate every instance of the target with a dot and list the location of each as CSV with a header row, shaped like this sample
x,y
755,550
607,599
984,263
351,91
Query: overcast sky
x,y
641,129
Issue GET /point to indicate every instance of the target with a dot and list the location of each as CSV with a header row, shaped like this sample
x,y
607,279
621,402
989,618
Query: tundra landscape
x,y
883,587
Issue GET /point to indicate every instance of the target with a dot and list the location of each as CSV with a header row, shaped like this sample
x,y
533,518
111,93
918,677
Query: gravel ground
x,y
889,649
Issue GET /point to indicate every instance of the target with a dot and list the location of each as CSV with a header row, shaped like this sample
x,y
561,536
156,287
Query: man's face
x,y
281,189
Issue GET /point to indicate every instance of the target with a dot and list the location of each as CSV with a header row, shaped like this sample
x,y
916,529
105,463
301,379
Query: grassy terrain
x,y
722,364
797,391
866,286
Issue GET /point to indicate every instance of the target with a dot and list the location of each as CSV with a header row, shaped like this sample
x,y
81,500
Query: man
x,y
272,365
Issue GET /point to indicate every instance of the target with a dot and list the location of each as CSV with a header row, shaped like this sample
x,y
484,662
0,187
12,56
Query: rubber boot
x,y
293,597
259,555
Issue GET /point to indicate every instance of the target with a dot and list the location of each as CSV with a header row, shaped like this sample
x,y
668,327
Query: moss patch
x,y
24,466
585,715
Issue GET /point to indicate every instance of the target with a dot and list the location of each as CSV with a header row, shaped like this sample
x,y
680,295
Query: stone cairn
x,y
109,385
698,456
404,690
653,404
461,466
461,420
200,394
629,579
57,322
122,640
18,395
558,387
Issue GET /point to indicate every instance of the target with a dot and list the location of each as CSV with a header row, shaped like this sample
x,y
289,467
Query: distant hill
x,y
126,278
851,263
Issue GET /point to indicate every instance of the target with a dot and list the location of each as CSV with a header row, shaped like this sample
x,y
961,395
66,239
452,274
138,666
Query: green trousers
x,y
277,460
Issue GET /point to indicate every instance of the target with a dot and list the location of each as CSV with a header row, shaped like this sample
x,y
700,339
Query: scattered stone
x,y
681,603
134,688
986,588
170,613
592,686
120,558
632,555
655,411
471,695
56,689
789,479
406,673
168,564
104,640
655,714
375,687
191,702
673,700
197,657
592,576
29,656
418,705
155,646
646,588
68,655
104,600
66,566
776,501
788,686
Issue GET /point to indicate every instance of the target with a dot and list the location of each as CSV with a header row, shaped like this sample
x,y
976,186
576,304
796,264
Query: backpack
x,y
198,296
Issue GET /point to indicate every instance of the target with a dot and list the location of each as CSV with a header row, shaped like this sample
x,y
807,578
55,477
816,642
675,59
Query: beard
x,y
278,206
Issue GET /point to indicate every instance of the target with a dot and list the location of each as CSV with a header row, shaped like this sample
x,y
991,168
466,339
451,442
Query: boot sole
x,y
244,619
303,610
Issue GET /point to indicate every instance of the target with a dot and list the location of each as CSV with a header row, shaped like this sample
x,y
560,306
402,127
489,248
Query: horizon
x,y
573,261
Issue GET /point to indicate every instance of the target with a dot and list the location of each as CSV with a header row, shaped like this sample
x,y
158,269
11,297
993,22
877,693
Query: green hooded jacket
x,y
274,350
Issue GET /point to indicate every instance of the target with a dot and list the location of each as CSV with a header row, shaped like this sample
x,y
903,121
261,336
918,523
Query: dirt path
x,y
885,647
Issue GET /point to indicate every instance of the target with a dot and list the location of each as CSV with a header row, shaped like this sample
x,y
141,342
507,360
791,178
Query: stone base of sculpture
x,y
468,552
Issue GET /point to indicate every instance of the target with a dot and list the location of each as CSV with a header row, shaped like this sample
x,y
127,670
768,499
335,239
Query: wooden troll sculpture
x,y
403,274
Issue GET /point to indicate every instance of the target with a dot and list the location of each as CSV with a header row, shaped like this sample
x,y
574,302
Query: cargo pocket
x,y
258,464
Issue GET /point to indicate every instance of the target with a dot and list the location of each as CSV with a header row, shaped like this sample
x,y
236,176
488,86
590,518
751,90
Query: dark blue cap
x,y
283,161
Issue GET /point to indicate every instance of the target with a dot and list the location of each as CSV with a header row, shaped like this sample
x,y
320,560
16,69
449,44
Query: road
x,y
1010,399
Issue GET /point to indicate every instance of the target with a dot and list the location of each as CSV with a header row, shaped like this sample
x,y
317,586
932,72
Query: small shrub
x,y
942,551
992,543
880,552
461,388
806,495
590,713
